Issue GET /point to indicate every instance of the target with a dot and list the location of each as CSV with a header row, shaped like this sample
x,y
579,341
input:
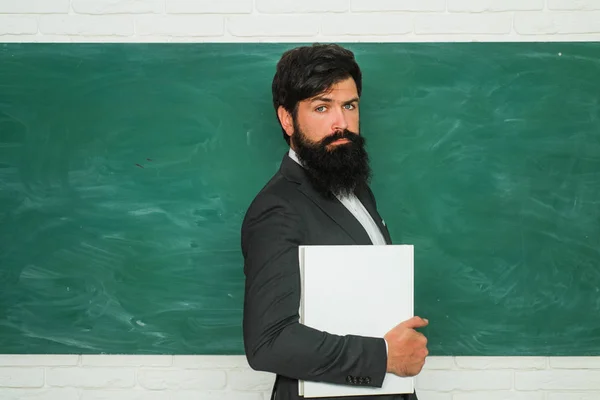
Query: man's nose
x,y
339,123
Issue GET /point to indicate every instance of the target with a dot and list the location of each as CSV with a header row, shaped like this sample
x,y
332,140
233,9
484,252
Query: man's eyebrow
x,y
329,100
322,99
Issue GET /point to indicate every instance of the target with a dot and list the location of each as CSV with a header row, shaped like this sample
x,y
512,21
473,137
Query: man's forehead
x,y
336,93
343,98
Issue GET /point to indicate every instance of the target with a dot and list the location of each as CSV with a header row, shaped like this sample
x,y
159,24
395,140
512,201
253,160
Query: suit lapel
x,y
333,207
339,213
365,199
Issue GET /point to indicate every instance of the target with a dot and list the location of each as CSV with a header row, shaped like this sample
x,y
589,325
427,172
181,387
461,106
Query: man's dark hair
x,y
306,71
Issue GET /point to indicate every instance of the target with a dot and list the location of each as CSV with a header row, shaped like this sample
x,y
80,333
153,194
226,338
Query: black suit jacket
x,y
289,212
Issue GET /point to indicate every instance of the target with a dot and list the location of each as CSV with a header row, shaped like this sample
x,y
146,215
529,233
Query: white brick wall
x,y
73,377
298,20
89,377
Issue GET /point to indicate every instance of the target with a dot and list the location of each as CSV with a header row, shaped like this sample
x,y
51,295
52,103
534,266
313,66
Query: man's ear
x,y
285,118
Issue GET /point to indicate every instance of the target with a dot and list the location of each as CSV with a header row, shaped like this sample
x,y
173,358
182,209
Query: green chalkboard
x,y
126,169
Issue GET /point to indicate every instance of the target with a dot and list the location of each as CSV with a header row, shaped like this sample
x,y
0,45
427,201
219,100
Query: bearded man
x,y
319,196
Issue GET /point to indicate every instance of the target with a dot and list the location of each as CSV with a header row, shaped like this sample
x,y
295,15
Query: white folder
x,y
356,290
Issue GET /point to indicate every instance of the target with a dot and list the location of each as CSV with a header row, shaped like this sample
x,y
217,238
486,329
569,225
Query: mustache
x,y
345,134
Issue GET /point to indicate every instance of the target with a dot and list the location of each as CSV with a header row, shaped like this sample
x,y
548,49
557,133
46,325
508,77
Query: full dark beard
x,y
336,170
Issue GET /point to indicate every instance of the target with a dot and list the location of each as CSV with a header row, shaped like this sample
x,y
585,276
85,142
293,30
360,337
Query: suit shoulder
x,y
272,216
277,191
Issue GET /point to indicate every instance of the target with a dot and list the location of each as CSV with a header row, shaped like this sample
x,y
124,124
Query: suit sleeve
x,y
274,339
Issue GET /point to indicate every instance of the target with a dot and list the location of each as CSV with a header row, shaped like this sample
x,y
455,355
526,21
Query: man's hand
x,y
407,348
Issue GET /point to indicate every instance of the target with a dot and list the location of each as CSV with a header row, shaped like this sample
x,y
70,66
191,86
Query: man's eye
x,y
349,107
320,109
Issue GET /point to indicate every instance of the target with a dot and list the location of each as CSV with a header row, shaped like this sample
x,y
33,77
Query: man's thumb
x,y
415,322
